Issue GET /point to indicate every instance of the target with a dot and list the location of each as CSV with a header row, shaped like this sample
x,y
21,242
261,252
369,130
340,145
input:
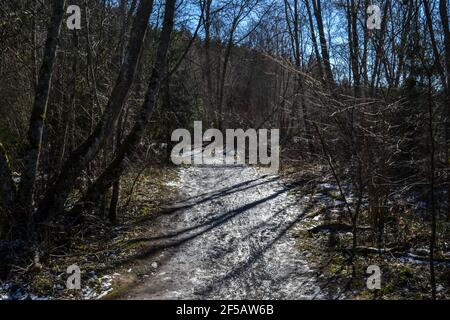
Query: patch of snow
x,y
12,291
327,186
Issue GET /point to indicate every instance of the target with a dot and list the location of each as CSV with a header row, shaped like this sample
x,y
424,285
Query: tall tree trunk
x,y
434,47
314,40
353,44
37,120
445,26
323,41
118,138
444,73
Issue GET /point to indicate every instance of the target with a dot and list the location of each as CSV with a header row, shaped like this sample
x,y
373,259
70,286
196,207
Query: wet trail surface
x,y
229,237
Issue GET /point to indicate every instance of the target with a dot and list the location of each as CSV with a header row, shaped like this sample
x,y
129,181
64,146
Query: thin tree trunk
x,y
207,48
71,103
403,38
379,49
91,68
223,74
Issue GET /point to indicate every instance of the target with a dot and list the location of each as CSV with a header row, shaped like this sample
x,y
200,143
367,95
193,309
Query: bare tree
x,y
132,140
53,201
37,120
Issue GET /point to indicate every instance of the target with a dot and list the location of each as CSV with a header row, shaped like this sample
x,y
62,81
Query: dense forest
x,y
91,91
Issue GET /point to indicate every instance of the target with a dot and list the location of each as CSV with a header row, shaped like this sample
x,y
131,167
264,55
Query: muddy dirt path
x,y
230,237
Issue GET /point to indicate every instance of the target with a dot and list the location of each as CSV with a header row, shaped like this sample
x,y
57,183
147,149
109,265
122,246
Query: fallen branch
x,y
372,250
336,227
426,259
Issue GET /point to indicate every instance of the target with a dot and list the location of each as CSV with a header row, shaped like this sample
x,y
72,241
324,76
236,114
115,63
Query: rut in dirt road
x,y
230,237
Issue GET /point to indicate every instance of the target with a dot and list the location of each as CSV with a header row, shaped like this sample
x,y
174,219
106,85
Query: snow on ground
x,y
230,238
97,288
